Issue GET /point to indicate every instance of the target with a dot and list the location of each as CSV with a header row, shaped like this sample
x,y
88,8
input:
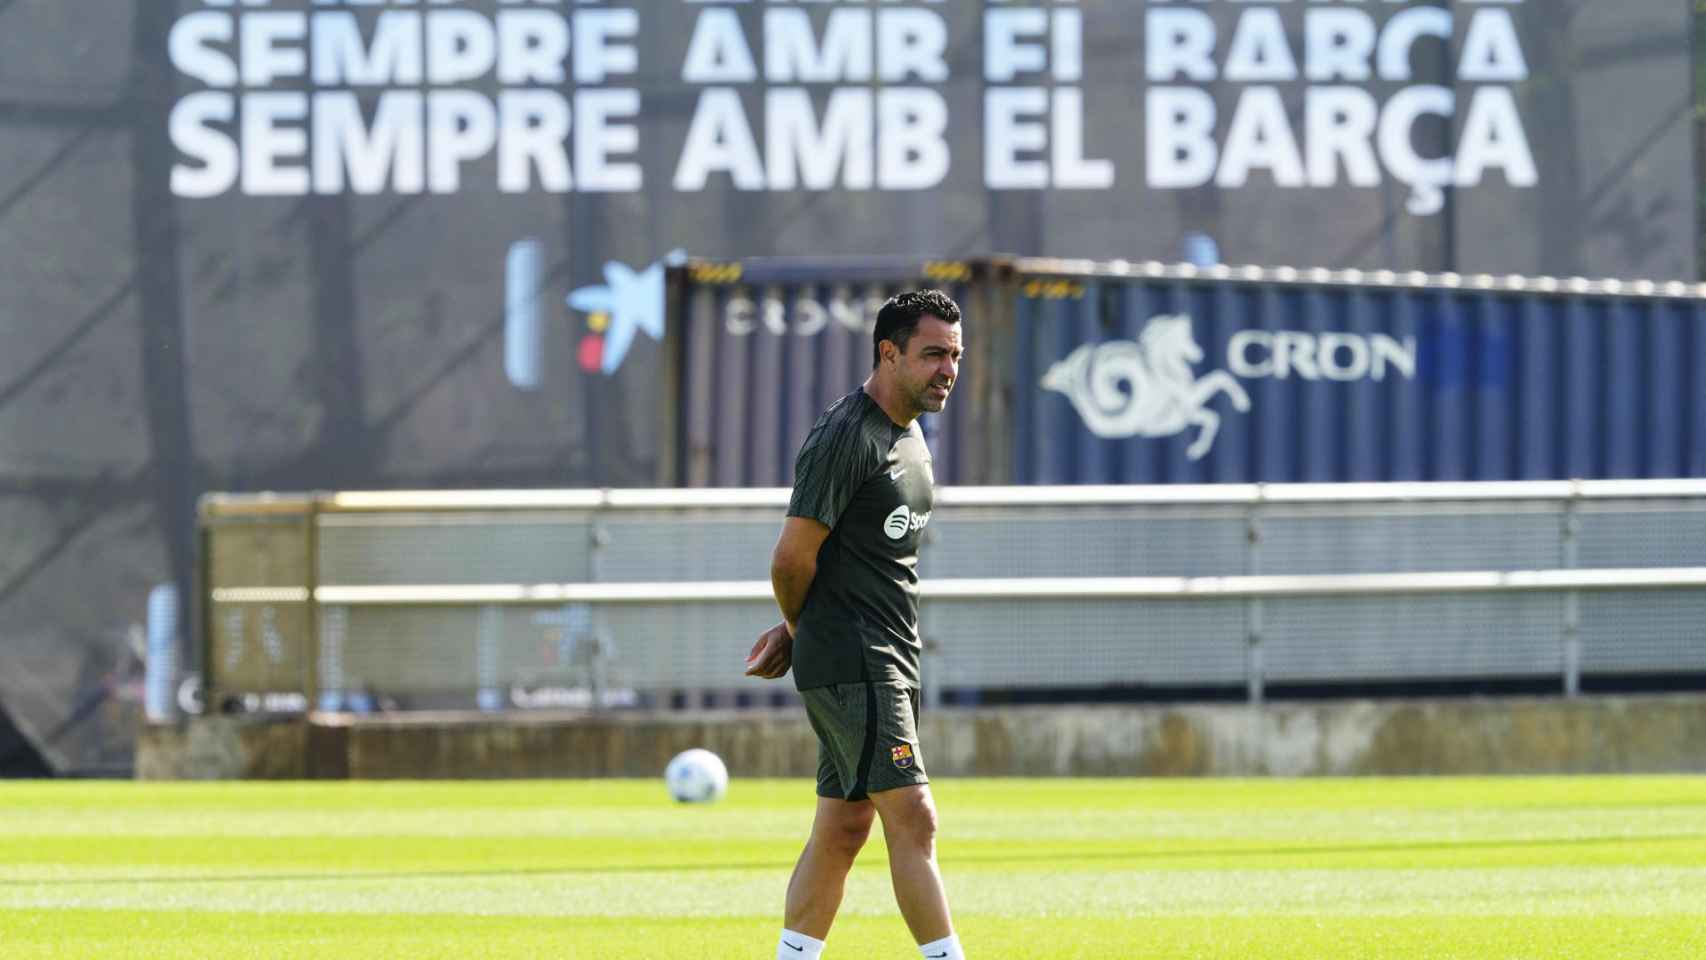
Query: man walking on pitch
x,y
845,573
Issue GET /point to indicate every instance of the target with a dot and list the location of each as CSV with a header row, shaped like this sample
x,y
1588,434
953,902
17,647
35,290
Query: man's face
x,y
928,368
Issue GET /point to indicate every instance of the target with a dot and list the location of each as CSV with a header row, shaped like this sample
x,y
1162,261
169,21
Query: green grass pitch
x,y
1052,869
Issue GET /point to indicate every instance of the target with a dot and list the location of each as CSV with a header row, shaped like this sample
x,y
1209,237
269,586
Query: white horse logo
x,y
1147,388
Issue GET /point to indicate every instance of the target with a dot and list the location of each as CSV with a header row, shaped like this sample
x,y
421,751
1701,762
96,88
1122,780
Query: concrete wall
x,y
1345,738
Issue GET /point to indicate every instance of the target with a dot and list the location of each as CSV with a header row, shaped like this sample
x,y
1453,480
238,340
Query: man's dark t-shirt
x,y
868,480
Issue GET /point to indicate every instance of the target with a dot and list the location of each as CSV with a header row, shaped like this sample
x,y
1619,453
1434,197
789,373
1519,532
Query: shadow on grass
x,y
1028,856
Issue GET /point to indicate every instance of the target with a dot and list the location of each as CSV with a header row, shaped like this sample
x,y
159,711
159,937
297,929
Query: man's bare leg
x,y
839,830
909,827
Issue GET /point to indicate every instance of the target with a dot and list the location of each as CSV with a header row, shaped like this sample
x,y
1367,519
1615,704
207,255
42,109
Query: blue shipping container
x,y
1150,374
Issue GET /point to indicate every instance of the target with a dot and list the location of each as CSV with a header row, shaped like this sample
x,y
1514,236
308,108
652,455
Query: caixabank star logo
x,y
629,302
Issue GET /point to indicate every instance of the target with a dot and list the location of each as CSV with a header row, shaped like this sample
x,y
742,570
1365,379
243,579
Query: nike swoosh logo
x,y
896,474
937,956
803,949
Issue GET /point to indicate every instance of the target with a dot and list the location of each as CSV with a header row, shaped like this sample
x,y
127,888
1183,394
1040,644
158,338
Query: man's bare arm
x,y
793,566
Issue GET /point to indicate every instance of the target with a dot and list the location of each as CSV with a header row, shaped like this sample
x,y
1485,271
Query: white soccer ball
x,y
696,776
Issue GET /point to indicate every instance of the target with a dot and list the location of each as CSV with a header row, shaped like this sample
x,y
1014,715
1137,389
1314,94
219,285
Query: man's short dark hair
x,y
899,317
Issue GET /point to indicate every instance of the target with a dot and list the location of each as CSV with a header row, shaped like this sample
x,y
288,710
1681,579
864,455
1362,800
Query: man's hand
x,y
773,654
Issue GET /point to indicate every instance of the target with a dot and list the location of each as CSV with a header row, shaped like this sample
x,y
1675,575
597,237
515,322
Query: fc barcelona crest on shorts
x,y
902,756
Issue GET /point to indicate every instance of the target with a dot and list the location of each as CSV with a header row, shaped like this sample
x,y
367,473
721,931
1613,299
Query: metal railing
x,y
502,600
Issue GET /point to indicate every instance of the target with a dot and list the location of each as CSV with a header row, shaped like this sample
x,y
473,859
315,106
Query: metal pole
x,y
596,633
1572,600
203,634
1255,669
311,679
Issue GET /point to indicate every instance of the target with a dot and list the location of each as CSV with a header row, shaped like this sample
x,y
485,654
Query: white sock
x,y
947,948
798,946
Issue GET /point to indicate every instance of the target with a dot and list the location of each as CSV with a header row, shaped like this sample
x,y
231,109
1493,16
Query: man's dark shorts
x,y
867,735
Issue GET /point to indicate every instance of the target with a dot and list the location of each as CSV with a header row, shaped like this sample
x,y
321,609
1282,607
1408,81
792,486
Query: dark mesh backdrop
x,y
153,347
